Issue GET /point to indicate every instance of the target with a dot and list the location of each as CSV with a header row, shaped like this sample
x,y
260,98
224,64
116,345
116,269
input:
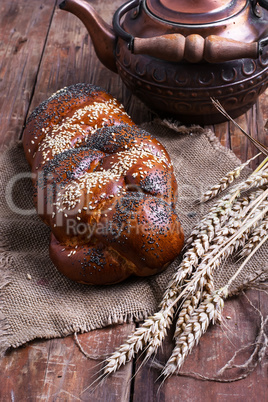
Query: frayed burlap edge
x,y
5,279
195,129
72,329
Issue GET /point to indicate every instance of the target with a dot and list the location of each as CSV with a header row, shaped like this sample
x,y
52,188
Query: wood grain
x,y
23,31
254,123
56,370
216,347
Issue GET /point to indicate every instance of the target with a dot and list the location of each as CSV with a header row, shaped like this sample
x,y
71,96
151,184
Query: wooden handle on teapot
x,y
194,48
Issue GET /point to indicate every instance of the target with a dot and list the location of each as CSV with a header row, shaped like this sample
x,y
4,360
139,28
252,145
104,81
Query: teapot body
x,y
175,55
183,89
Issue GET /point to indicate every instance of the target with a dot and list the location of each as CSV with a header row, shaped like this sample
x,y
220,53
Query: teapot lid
x,y
194,12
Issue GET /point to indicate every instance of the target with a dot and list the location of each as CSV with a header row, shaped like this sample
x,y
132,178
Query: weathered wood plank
x,y
222,132
253,122
216,347
23,30
56,370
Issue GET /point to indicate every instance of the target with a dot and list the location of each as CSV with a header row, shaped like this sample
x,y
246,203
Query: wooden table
x,y
43,49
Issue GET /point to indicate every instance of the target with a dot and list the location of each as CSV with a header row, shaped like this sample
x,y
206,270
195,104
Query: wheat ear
x,y
138,340
256,237
225,181
221,210
195,273
209,310
212,260
212,221
244,201
187,309
153,330
250,211
206,240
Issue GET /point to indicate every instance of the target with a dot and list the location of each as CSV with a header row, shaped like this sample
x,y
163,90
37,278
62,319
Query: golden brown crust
x,y
105,187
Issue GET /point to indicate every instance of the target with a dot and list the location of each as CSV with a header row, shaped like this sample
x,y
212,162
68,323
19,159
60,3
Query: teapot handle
x,y
193,48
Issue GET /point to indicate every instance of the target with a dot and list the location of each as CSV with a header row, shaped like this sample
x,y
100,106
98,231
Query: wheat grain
x,y
209,310
160,321
212,221
255,238
225,181
255,180
187,309
220,212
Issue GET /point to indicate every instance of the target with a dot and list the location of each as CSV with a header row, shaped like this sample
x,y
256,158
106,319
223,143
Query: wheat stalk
x,y
222,231
205,266
188,329
257,144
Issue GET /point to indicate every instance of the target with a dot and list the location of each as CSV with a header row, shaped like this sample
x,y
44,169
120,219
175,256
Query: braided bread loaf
x,y
105,187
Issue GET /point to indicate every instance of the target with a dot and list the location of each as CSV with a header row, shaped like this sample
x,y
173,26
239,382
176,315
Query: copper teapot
x,y
177,54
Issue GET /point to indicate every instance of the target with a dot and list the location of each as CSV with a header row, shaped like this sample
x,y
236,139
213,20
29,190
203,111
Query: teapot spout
x,y
101,33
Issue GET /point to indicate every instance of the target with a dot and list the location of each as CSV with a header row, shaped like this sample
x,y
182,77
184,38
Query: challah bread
x,y
105,187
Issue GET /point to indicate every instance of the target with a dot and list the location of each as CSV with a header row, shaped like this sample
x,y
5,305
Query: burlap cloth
x,y
38,302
